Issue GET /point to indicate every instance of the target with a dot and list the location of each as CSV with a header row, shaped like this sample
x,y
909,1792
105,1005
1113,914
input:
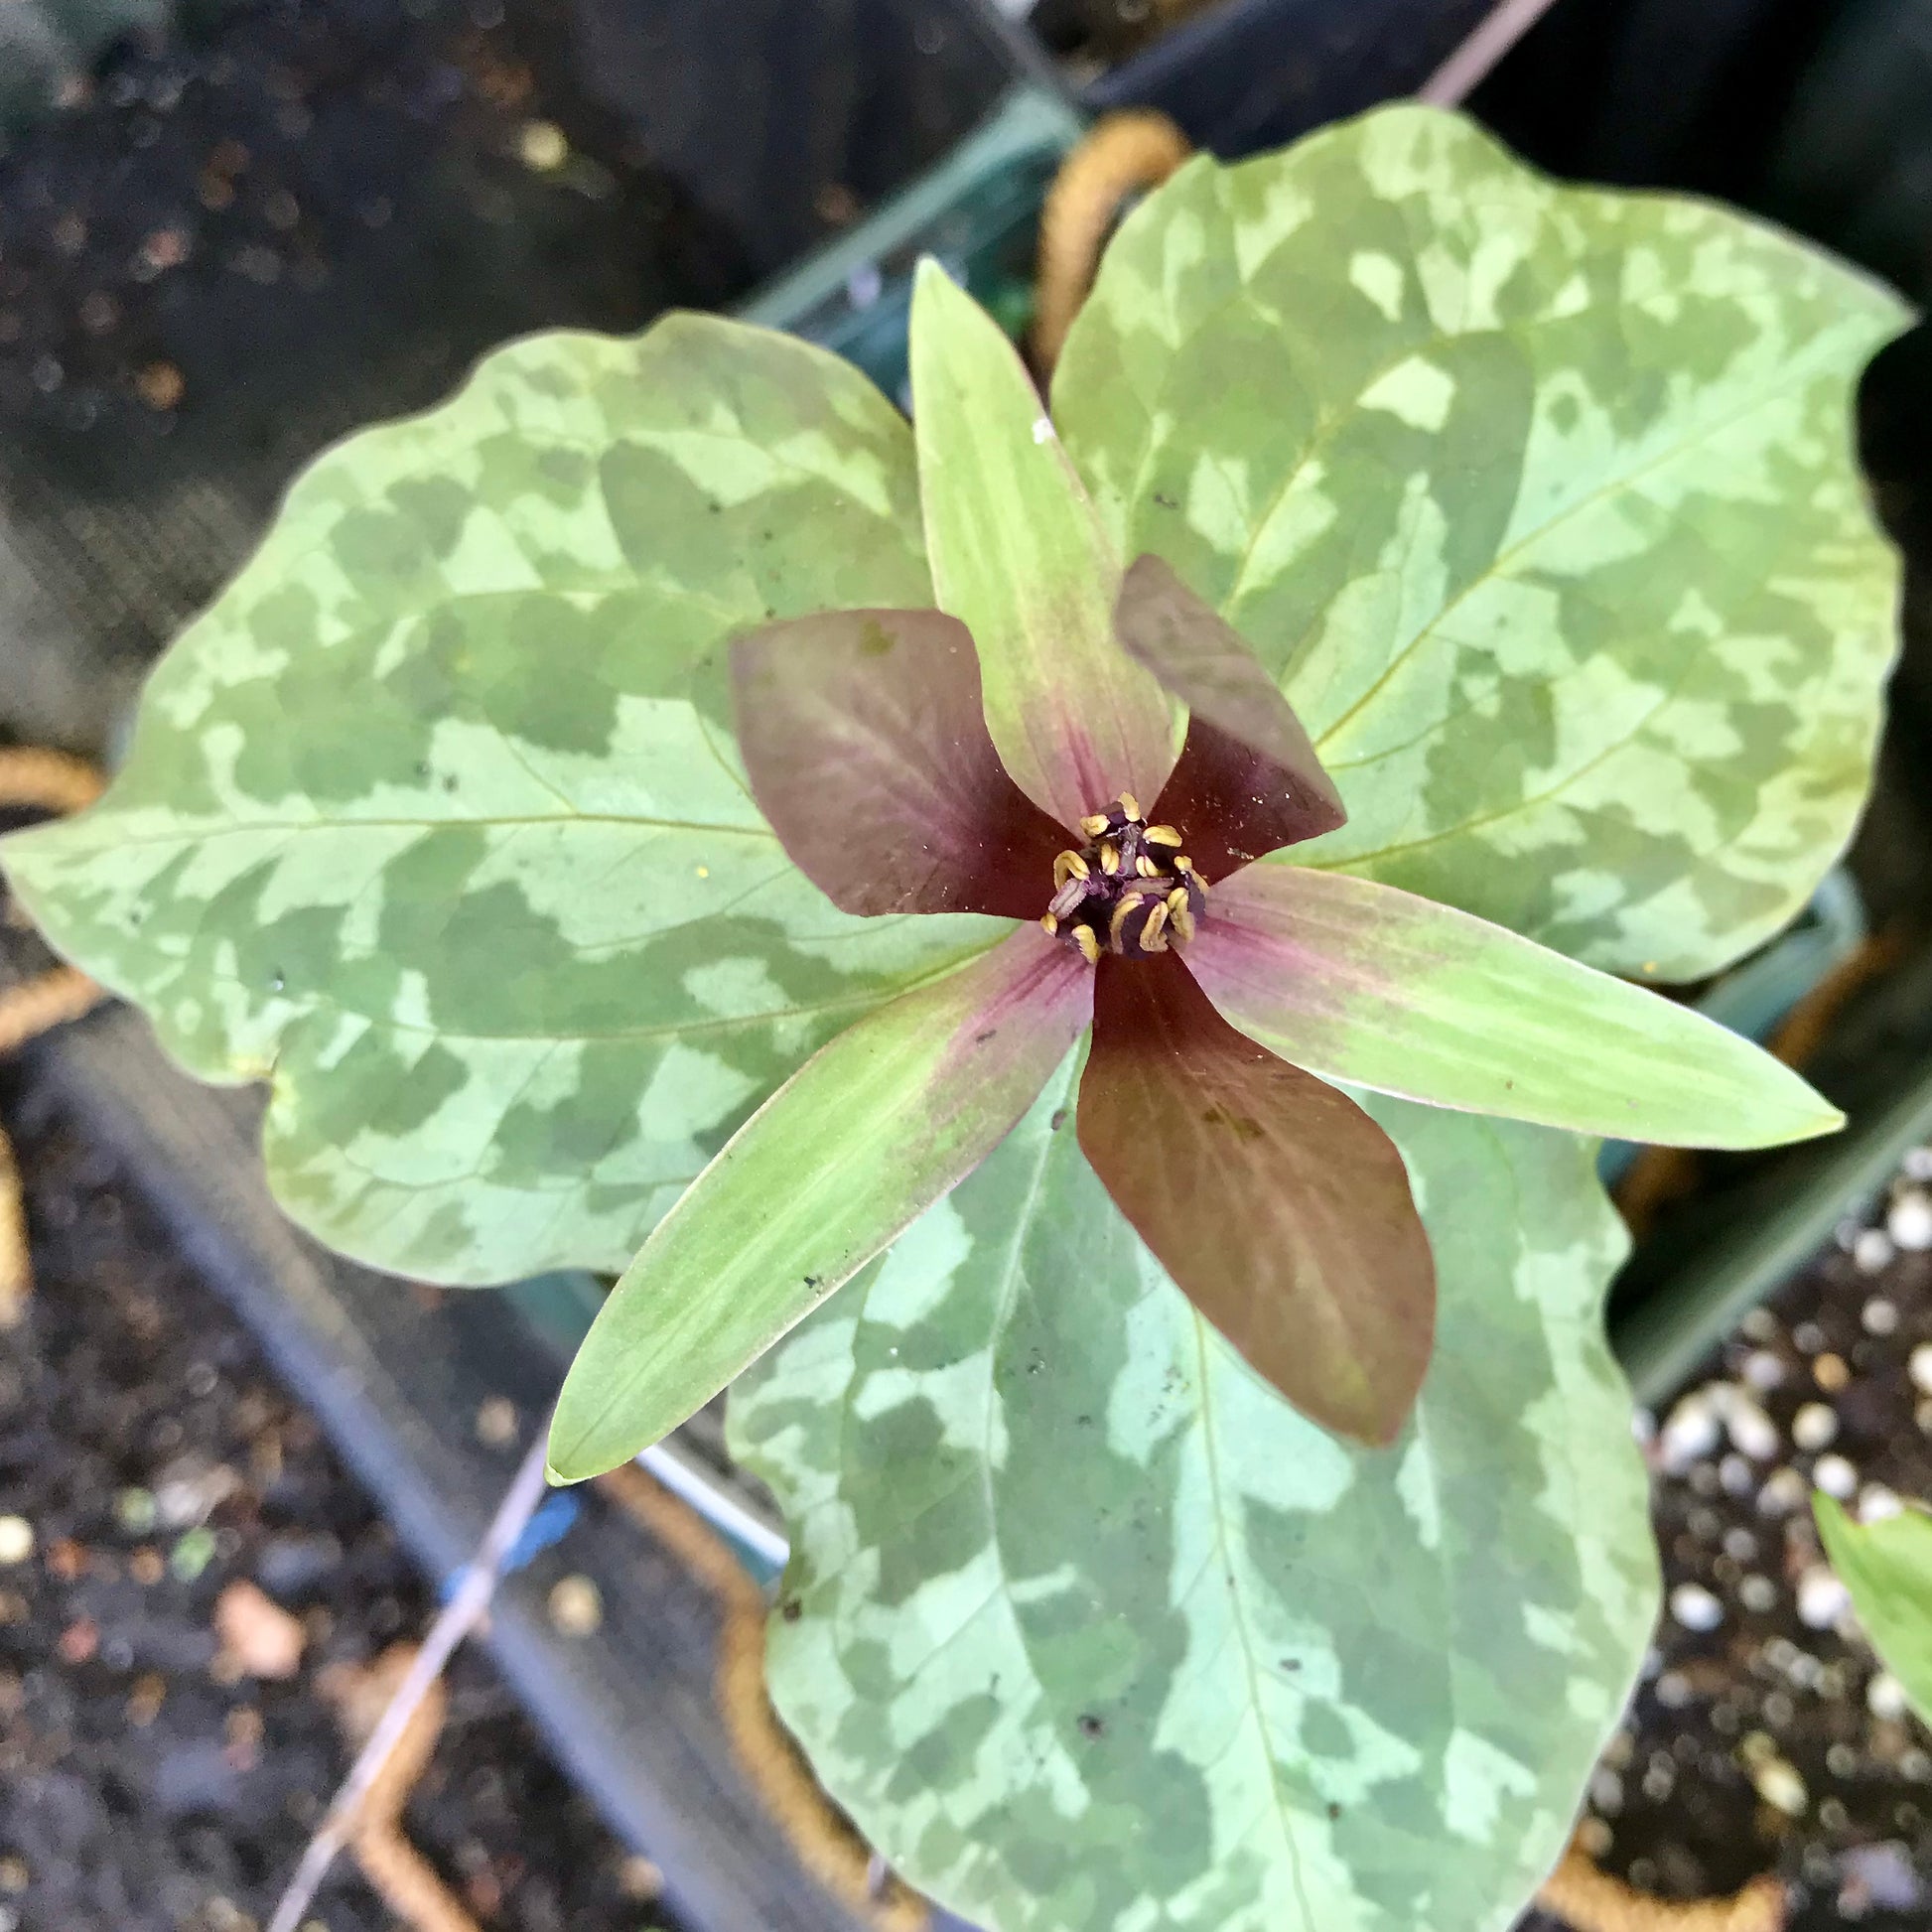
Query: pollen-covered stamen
x,y
1133,891
1180,913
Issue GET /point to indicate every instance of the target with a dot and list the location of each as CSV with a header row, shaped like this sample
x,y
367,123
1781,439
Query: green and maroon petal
x,y
863,737
1281,1209
859,1143
1364,982
1018,553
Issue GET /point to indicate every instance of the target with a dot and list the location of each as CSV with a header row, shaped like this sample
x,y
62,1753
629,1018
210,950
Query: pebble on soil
x,y
1764,1735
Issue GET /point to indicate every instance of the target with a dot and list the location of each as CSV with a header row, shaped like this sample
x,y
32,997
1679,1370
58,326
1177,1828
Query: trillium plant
x,y
1223,994
1076,953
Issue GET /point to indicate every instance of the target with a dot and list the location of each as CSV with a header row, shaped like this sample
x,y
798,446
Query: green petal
x,y
862,1138
1088,1629
1019,556
434,821
1887,1567
1539,501
1365,984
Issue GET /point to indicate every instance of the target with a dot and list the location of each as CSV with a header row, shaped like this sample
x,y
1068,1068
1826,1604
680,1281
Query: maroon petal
x,y
868,751
1248,780
1277,1204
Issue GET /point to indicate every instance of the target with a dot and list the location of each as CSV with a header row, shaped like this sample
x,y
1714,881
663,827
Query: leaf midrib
x,y
1238,1611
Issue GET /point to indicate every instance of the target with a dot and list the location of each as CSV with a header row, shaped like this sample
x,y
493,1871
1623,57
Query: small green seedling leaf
x,y
1888,1567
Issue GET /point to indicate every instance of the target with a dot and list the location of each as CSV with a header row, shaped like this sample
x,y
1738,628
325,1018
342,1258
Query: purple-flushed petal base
x,y
867,752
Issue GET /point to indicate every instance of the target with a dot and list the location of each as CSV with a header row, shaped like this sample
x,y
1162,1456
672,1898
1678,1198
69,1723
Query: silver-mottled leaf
x,y
1090,1630
435,823
1539,500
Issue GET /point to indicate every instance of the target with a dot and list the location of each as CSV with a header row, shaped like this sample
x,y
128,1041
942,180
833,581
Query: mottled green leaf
x,y
1018,557
1539,500
430,823
860,1140
1887,1564
1363,983
1090,1630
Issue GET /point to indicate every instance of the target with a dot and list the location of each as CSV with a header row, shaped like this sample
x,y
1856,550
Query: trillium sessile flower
x,y
1092,753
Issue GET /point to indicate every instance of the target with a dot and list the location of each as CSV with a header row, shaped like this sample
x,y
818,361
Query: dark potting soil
x,y
144,1785
1765,1738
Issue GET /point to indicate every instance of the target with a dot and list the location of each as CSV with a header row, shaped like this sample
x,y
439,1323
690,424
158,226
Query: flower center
x,y
1130,890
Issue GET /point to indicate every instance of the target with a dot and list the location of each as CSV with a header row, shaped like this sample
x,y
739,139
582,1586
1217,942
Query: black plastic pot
x,y
1249,74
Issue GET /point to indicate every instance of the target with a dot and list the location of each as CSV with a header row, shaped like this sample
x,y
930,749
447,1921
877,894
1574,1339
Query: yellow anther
x,y
1182,919
1049,924
1185,865
1130,905
1146,867
1153,938
1088,941
1094,824
1162,835
1070,865
1131,806
1109,858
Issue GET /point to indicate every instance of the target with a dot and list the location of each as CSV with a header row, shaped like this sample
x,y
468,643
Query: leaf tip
x,y
1810,1118
23,843
576,1453
931,276
1377,1420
